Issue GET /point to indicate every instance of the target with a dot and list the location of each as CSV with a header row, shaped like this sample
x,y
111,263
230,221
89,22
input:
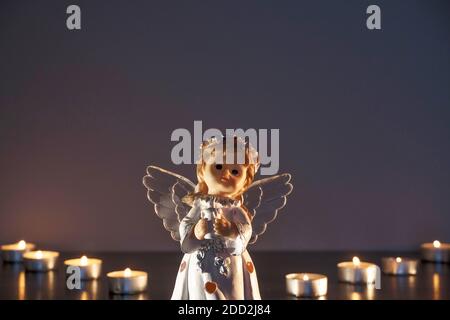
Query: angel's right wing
x,y
264,198
165,191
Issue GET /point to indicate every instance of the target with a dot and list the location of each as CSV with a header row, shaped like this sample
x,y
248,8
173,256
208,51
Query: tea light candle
x,y
40,260
399,266
13,252
436,252
90,268
127,281
356,271
306,285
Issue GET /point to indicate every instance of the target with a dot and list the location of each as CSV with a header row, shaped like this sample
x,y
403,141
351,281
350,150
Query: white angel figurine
x,y
216,219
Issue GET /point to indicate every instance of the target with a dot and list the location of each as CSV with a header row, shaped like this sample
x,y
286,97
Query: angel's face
x,y
226,180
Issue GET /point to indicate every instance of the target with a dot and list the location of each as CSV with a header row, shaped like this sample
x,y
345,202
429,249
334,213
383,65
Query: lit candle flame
x,y
84,261
398,259
436,244
127,272
356,261
22,245
39,254
305,277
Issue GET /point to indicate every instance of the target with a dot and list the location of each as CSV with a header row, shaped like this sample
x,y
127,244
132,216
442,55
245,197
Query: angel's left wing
x,y
264,198
165,191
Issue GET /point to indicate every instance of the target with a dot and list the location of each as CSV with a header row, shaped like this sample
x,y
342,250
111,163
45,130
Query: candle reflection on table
x,y
42,283
138,296
359,292
291,297
89,290
21,286
436,287
30,286
402,287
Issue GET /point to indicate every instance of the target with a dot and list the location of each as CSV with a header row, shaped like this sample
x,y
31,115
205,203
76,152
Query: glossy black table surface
x,y
431,282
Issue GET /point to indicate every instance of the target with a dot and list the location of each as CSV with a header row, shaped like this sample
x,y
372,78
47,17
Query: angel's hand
x,y
201,229
224,227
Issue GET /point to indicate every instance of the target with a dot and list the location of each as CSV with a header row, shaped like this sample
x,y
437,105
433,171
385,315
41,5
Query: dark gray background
x,y
363,116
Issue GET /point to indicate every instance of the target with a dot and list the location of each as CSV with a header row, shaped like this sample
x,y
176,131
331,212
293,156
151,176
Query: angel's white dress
x,y
217,268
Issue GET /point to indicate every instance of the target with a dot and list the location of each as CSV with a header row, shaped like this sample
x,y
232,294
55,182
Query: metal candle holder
x,y
14,252
306,285
90,268
399,266
127,281
436,252
40,261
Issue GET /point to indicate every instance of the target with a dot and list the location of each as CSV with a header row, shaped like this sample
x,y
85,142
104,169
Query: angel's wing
x,y
263,199
165,191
